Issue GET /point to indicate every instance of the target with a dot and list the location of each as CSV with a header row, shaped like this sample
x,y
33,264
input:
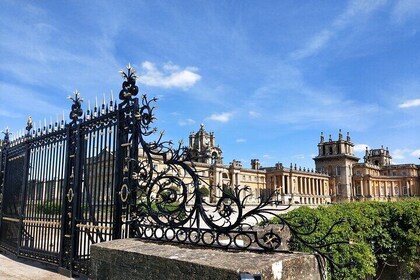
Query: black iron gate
x,y
64,186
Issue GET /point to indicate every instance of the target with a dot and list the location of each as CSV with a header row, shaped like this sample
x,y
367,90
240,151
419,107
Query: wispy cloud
x,y
223,117
298,157
315,45
405,10
416,153
170,76
399,154
356,9
240,140
186,122
253,114
410,103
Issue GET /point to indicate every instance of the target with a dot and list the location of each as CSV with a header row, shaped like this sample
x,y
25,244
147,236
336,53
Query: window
x,y
337,170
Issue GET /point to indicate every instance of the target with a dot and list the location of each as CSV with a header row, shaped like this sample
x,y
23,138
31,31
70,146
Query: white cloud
x,y
359,148
410,103
400,153
223,117
416,153
299,156
171,76
404,10
267,157
240,140
253,114
186,122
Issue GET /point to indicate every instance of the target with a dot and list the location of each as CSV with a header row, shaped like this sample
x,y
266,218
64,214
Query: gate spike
x,y
111,101
103,106
96,107
88,113
62,121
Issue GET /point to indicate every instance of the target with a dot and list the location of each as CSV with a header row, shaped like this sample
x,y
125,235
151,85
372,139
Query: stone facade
x,y
375,179
338,176
298,186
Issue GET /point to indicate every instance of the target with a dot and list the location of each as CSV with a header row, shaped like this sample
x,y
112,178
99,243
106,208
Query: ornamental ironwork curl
x,y
170,207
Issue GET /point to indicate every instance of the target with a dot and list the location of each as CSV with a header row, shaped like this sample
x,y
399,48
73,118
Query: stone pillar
x,y
282,184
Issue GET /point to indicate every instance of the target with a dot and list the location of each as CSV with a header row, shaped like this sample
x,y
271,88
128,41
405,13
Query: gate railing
x,y
64,186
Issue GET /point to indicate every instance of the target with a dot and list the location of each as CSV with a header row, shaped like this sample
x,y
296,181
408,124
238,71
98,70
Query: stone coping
x,y
139,259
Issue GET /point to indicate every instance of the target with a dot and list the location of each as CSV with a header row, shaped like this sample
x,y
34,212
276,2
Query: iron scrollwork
x,y
170,207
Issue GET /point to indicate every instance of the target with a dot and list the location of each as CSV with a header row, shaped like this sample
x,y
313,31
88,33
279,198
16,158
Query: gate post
x,y
24,184
3,156
127,149
71,195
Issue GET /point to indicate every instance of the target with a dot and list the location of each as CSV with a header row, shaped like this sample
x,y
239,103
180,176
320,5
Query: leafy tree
x,y
380,235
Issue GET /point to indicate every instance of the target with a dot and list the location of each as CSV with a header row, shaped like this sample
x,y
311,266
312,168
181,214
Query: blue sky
x,y
266,76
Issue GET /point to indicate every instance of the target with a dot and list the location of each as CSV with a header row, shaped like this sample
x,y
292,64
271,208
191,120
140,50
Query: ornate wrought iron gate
x,y
65,186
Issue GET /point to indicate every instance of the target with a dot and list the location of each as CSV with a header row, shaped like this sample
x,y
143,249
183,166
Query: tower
x,y
379,157
336,158
202,146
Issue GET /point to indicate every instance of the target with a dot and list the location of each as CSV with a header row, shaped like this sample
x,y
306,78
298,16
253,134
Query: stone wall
x,y
135,259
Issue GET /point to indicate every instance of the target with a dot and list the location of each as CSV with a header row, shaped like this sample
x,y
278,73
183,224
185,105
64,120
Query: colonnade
x,y
300,188
382,189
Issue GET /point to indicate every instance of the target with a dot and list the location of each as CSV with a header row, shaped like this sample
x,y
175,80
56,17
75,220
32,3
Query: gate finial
x,y
6,139
29,126
129,87
76,108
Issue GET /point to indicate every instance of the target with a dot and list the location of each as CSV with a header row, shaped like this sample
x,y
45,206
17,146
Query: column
x,y
283,185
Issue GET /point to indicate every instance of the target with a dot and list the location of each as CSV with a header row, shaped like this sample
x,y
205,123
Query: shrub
x,y
49,208
204,191
381,234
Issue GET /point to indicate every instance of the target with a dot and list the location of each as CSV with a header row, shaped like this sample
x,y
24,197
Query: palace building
x,y
375,179
337,177
289,185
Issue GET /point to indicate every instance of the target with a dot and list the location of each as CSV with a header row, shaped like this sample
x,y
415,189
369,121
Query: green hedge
x,y
49,208
381,235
